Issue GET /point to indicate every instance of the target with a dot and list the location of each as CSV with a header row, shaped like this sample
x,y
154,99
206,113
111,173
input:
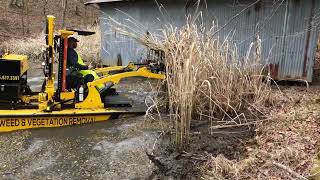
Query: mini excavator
x,y
81,103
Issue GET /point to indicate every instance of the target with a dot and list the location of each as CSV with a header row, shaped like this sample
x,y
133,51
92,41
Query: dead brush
x,y
206,78
222,168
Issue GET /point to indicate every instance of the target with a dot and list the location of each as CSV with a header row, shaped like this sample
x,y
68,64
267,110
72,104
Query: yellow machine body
x,y
34,118
27,119
24,65
93,99
48,111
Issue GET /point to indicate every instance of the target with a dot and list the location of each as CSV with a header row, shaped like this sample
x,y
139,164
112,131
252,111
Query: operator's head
x,y
72,42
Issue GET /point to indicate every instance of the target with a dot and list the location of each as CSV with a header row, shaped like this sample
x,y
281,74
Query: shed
x,y
288,29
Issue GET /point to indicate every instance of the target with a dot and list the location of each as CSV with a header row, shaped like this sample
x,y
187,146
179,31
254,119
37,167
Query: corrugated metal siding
x,y
149,18
300,41
287,30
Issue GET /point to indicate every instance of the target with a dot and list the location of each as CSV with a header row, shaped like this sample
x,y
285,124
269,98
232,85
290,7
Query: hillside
x,y
25,18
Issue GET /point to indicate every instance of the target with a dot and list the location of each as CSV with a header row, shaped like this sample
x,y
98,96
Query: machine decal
x,y
39,122
9,78
11,124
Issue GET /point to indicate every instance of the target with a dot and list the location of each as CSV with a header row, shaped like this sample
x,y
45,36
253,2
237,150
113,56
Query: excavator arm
x,y
93,99
106,71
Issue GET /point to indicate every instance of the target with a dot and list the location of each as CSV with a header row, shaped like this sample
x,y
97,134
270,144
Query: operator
x,y
74,60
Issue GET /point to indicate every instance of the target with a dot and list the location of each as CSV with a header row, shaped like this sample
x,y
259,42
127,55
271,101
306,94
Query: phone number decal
x,y
9,78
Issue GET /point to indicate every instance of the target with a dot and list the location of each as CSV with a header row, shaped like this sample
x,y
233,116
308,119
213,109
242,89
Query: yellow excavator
x,y
81,103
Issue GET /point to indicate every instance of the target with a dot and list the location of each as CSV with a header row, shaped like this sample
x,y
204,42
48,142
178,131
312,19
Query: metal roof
x,y
102,1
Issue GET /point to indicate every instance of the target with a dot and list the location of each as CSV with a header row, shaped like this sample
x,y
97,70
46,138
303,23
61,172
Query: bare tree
x,y
65,7
26,13
78,13
45,8
20,5
23,6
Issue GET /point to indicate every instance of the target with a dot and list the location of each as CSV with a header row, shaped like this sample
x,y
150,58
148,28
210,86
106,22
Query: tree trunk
x,y
22,22
26,10
65,7
24,13
45,9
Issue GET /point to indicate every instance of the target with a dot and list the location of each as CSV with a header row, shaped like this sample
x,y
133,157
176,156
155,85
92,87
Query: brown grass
x,y
205,77
289,139
207,80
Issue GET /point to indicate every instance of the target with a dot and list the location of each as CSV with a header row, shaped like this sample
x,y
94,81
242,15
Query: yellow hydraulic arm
x,y
46,98
106,71
93,99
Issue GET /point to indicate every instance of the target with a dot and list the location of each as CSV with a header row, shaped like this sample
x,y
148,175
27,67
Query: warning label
x,y
46,122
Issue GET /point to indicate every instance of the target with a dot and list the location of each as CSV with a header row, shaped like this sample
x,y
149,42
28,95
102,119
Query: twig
x,y
238,125
235,16
194,156
155,143
289,171
228,132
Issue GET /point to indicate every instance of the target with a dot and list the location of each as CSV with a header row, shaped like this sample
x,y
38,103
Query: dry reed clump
x,y
88,47
206,79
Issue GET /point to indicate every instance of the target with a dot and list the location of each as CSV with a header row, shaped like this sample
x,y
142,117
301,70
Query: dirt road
x,y
110,150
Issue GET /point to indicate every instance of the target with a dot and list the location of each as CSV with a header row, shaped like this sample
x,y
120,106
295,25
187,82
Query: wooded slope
x,y
24,18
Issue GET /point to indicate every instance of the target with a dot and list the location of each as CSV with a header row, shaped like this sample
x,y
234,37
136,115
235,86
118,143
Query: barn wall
x,y
148,17
288,30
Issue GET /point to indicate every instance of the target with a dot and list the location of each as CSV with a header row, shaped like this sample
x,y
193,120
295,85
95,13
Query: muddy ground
x,y
115,149
112,150
142,147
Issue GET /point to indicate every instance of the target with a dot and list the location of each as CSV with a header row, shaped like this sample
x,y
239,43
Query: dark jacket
x,y
72,60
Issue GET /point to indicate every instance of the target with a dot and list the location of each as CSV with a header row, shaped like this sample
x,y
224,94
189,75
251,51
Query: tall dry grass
x,y
88,47
206,78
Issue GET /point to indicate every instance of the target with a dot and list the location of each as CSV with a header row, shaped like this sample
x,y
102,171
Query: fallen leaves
x,y
286,145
